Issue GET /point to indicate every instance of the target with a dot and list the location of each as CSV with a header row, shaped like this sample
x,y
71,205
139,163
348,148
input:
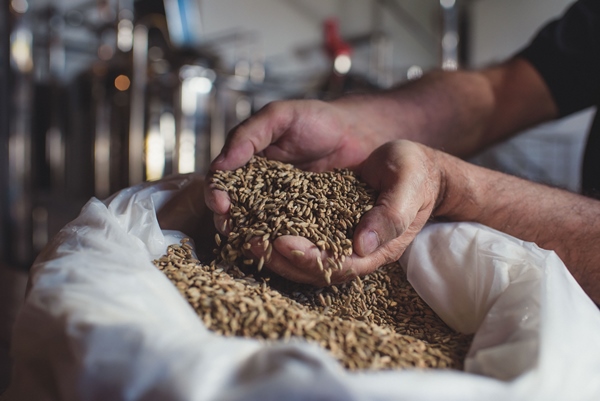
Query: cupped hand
x,y
409,181
310,134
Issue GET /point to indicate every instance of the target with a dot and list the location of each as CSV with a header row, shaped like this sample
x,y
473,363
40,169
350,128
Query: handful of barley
x,y
270,199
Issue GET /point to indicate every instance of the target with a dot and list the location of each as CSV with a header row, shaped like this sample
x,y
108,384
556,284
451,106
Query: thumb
x,y
380,225
400,172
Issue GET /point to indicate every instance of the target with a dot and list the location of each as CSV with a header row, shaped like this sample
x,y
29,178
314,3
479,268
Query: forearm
x,y
444,110
460,112
554,219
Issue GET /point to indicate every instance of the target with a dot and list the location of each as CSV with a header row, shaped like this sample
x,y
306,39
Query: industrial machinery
x,y
100,95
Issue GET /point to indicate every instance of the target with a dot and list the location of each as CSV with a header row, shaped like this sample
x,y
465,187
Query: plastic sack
x,y
100,322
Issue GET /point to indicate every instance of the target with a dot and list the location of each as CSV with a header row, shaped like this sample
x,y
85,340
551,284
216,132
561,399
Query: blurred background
x,y
99,95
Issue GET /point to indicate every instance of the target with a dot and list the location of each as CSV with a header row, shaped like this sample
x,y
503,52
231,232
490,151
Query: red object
x,y
334,44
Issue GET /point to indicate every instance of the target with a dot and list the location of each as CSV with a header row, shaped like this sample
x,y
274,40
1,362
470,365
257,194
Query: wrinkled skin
x,y
407,196
320,136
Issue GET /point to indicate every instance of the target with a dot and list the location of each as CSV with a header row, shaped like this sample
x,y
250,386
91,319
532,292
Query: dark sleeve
x,y
566,52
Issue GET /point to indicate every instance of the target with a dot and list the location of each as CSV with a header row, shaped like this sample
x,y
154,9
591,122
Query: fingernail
x,y
369,242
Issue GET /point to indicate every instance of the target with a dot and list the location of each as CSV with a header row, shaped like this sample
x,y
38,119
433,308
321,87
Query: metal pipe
x,y
101,142
19,143
450,37
138,93
139,83
4,126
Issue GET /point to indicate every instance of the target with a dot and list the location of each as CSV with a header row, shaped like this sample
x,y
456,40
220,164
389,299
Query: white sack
x,y
102,323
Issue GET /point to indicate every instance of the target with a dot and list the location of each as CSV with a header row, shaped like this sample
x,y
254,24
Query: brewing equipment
x,y
70,139
103,95
100,95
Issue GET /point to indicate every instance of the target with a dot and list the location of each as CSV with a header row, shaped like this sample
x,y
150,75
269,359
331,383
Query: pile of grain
x,y
375,323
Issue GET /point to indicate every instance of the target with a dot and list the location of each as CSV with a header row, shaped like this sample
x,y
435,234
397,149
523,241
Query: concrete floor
x,y
12,293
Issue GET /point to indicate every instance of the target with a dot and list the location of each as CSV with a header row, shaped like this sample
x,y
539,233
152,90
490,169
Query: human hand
x,y
313,135
409,181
